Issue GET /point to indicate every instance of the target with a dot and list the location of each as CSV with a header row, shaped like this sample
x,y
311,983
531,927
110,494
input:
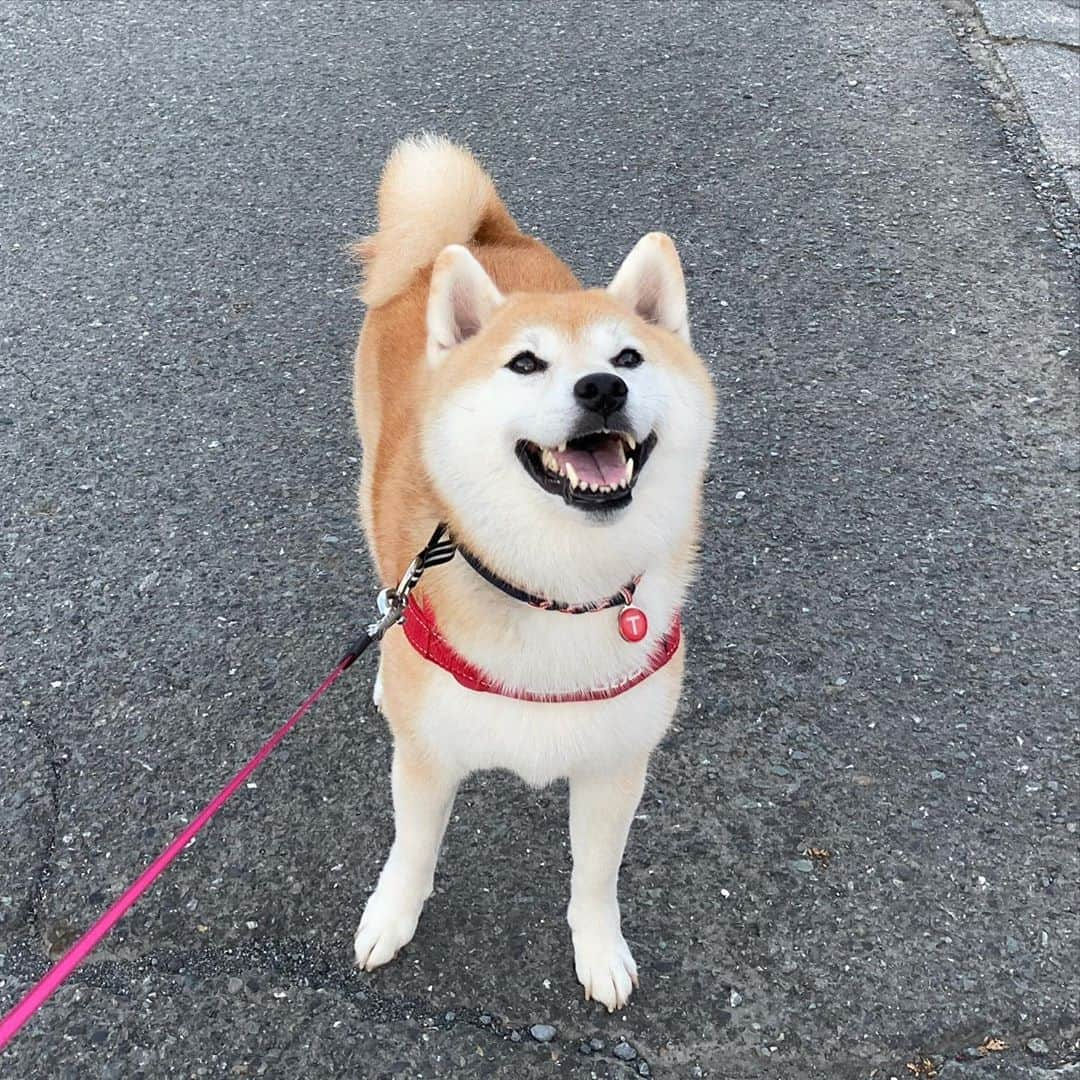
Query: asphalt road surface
x,y
883,659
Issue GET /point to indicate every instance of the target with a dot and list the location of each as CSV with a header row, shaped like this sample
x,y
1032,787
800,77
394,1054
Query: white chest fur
x,y
540,741
550,652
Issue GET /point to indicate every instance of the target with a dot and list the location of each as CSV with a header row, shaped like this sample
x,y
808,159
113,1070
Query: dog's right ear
x,y
461,299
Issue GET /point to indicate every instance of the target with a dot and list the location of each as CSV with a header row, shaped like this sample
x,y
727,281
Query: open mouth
x,y
593,472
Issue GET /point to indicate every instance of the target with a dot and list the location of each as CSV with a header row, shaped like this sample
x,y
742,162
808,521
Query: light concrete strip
x,y
1048,78
1041,20
1072,178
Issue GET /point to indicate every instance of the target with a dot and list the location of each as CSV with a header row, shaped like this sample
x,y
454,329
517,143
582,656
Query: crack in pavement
x,y
288,964
55,757
296,965
1009,39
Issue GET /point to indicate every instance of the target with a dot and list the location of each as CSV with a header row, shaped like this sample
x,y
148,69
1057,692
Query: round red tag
x,y
633,625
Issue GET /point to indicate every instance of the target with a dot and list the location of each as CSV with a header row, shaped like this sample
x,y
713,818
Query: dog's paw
x,y
387,925
605,967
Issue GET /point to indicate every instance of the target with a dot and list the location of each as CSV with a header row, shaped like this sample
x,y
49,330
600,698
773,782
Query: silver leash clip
x,y
391,609
391,602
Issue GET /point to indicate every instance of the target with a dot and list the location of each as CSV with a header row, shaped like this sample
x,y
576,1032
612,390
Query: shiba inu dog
x,y
561,434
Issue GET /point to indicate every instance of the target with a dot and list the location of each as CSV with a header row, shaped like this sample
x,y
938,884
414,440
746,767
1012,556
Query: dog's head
x,y
567,427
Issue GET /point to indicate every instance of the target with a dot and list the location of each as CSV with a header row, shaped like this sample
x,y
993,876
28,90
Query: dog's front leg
x,y
601,809
423,796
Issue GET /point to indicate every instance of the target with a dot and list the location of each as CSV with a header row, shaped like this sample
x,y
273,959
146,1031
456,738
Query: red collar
x,y
423,634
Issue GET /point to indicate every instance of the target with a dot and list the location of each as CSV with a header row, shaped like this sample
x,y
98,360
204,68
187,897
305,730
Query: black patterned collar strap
x,y
623,598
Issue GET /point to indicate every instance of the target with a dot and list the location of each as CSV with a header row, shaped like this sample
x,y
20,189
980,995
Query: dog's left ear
x,y
461,299
650,283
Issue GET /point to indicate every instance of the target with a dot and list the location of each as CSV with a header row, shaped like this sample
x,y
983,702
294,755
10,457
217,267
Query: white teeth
x,y
549,461
629,470
571,475
562,447
631,442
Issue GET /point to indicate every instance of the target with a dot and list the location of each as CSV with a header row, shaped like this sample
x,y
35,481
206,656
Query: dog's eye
x,y
527,364
627,358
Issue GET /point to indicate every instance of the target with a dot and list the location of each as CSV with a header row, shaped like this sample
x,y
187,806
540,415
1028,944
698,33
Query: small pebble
x,y
936,774
624,1052
515,1036
235,985
542,1032
485,1019
1037,1046
779,770
597,1044
736,999
643,1069
803,866
584,1048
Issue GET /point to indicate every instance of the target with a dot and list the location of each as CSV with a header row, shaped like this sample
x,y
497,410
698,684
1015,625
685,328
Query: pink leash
x,y
439,549
82,948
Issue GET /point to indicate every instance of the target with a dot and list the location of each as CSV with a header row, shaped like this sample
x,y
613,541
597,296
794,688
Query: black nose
x,y
601,393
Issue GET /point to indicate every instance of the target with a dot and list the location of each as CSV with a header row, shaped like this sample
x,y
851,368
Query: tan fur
x,y
390,376
397,501
432,194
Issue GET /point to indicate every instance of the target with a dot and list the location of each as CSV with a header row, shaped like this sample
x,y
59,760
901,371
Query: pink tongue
x,y
605,465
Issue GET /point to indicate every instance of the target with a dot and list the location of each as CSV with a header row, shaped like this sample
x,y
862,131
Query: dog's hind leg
x,y
423,796
601,808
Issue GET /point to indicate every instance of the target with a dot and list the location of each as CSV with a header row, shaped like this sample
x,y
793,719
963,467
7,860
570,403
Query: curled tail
x,y
432,193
